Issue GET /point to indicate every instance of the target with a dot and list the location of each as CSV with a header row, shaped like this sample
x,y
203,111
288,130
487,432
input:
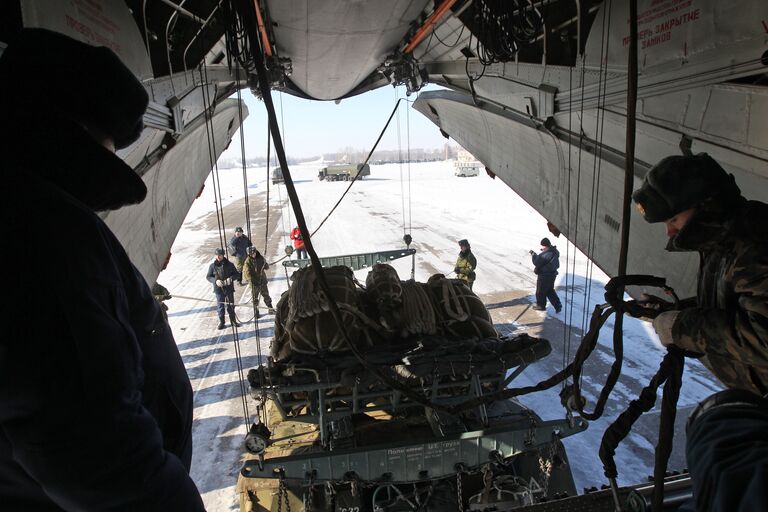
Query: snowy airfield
x,y
437,209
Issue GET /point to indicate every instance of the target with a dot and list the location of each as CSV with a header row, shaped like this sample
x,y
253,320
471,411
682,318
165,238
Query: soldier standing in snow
x,y
466,264
95,402
222,274
704,211
545,265
255,272
238,246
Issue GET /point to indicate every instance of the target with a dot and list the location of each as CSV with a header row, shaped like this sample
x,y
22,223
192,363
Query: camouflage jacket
x,y
254,269
466,264
729,324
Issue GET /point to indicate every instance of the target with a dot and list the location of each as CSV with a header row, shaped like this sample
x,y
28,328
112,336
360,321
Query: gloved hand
x,y
663,325
228,281
220,283
532,252
654,302
457,270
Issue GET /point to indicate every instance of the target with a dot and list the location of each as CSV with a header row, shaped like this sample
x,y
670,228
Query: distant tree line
x,y
352,155
385,156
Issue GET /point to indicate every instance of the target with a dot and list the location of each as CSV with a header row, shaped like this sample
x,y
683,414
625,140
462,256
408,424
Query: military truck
x,y
343,172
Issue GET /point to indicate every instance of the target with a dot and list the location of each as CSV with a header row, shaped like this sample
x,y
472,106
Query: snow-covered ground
x,y
437,209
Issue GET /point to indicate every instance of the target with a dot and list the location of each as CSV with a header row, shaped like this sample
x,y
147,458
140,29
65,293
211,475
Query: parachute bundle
x,y
309,325
418,310
397,310
383,287
463,313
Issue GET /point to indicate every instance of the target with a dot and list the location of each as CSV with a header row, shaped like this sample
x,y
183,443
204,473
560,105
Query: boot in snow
x,y
233,319
221,323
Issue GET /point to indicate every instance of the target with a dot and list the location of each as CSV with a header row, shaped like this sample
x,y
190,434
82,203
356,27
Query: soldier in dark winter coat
x,y
95,403
223,274
704,211
238,246
466,264
255,272
545,265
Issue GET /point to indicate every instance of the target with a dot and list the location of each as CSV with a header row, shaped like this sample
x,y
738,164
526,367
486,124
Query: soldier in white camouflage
x,y
704,211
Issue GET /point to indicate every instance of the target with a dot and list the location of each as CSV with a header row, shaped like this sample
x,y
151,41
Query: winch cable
x,y
670,373
319,272
208,112
600,315
354,179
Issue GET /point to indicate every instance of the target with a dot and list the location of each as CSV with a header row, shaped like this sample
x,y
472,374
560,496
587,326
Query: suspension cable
x,y
354,179
568,306
242,154
400,165
598,161
266,222
578,197
282,132
408,141
209,106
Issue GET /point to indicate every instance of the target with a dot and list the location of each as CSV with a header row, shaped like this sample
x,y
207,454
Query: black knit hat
x,y
678,183
219,252
464,242
47,73
545,242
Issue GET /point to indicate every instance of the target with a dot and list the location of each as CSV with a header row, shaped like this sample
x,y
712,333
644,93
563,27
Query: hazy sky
x,y
312,128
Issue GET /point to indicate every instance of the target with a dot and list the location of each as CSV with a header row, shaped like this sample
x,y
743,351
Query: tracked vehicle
x,y
380,425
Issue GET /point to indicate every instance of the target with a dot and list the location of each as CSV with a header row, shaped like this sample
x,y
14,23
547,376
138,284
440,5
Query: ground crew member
x,y
704,211
298,244
466,264
161,294
255,272
222,274
545,265
238,246
117,435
